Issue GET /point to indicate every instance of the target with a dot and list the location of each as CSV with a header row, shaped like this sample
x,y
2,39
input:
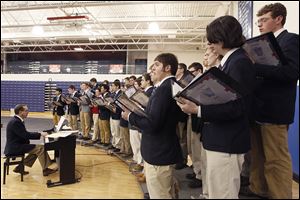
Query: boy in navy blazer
x,y
160,146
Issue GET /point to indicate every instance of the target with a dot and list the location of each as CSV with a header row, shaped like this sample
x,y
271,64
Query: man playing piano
x,y
17,142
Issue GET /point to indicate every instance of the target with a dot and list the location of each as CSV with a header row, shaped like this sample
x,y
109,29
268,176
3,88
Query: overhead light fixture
x,y
76,17
78,49
153,28
37,30
92,39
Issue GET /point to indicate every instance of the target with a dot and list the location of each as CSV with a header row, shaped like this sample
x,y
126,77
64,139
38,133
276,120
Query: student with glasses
x,y
271,167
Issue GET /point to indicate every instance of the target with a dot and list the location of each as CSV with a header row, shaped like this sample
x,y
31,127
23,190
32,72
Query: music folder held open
x,y
264,49
211,88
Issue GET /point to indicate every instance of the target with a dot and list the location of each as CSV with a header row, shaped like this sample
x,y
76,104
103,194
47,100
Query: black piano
x,y
65,156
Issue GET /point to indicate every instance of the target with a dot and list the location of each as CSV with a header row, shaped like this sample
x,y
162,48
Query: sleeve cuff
x,y
128,116
199,112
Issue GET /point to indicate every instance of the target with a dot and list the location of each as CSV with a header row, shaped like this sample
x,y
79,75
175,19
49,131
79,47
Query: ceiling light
x,y
37,30
78,49
153,28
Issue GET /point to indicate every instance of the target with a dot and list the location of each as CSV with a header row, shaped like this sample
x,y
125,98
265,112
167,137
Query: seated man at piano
x,y
18,142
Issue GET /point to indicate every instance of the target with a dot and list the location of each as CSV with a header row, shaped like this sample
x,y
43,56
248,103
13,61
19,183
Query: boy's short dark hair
x,y
59,90
197,66
105,86
183,66
93,80
147,77
168,59
276,9
225,29
72,87
117,83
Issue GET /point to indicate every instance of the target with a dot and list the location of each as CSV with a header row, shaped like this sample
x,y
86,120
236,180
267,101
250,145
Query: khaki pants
x,y
96,133
73,122
135,142
159,181
188,135
203,166
196,154
56,118
85,119
104,131
125,145
38,152
223,174
181,130
271,168
115,132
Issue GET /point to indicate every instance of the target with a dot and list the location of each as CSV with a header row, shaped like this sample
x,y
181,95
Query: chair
x,y
11,160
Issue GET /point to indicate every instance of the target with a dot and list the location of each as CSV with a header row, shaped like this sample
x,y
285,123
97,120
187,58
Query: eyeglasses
x,y
262,20
192,71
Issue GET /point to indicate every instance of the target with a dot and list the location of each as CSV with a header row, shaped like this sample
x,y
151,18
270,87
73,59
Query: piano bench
x,y
11,160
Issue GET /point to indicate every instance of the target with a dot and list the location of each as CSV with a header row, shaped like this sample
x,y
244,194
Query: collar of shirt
x,y
86,91
74,93
226,56
117,91
19,118
276,33
159,83
147,88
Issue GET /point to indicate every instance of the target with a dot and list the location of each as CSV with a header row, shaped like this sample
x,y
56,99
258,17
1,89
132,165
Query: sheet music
x,y
264,49
141,98
61,134
176,88
211,92
130,91
212,87
131,106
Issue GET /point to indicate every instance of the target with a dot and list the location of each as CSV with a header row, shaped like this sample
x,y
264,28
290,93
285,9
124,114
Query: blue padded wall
x,y
27,92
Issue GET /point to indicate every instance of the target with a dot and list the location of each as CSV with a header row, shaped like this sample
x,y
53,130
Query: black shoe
x,y
245,191
17,169
86,138
180,166
146,196
116,150
48,171
99,142
190,176
244,181
195,183
105,144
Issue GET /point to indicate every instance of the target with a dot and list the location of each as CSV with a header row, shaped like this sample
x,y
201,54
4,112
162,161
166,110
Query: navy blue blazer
x,y
149,91
59,110
17,138
160,144
73,107
227,126
104,113
278,86
117,114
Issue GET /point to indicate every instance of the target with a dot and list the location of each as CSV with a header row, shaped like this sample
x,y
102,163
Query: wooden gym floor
x,y
103,176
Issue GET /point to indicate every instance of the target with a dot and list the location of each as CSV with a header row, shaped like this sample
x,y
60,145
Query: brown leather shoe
x,y
141,179
48,171
18,170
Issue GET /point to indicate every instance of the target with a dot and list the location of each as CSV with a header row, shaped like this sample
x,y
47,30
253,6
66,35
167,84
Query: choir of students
x,y
216,137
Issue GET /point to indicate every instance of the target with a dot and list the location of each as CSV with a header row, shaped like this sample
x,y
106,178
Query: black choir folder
x,y
264,49
211,88
186,79
133,100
